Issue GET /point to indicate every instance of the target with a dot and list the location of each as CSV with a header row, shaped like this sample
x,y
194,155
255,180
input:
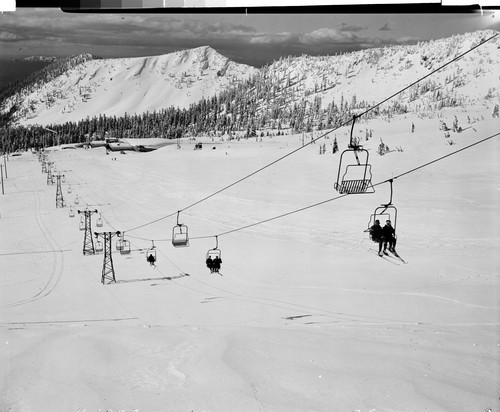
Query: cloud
x,y
326,35
385,27
407,39
8,36
350,27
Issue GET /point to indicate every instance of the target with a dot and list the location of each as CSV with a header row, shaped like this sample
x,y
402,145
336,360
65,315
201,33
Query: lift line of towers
x,y
353,177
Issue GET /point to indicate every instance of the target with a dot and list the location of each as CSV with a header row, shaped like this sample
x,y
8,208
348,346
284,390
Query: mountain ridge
x,y
119,86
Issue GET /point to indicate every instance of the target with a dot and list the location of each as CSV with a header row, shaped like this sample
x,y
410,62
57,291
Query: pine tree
x,y
335,146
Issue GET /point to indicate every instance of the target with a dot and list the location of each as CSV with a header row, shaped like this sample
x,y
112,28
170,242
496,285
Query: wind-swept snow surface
x,y
304,316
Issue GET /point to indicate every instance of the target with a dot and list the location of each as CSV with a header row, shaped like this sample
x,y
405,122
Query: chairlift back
x,y
213,253
384,213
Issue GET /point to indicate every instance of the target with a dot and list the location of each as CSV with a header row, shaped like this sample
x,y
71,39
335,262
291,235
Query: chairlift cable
x,y
333,198
347,194
345,123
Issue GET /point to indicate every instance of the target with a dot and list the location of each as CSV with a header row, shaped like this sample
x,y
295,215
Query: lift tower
x,y
108,271
88,242
59,195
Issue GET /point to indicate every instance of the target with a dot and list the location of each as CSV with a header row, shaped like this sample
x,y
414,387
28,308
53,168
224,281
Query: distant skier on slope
x,y
389,236
376,235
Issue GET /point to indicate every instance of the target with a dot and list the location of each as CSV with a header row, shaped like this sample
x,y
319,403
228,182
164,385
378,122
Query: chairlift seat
x,y
98,246
125,249
180,236
119,244
180,239
356,180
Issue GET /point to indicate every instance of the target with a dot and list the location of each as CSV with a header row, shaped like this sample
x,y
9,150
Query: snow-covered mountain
x,y
136,85
129,85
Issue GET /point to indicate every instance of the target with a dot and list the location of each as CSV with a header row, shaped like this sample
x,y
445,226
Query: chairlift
x,y
82,223
151,254
77,200
99,222
215,252
98,245
180,236
125,249
213,255
63,179
384,212
71,212
69,189
357,176
119,243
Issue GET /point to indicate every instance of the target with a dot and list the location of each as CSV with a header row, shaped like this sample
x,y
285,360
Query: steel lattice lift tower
x,y
59,195
50,180
108,271
88,242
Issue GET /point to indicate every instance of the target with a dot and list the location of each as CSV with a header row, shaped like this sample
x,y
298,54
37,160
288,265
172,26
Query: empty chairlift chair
x,y
98,245
125,249
71,212
180,236
99,222
82,223
356,177
119,243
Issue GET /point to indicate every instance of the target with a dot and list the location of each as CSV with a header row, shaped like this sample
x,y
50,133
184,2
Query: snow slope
x,y
305,317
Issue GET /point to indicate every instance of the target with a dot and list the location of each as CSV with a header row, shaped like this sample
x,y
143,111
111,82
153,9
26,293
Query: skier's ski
x,y
386,257
399,257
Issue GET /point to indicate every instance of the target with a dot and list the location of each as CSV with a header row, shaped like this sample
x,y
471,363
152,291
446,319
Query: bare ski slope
x,y
304,315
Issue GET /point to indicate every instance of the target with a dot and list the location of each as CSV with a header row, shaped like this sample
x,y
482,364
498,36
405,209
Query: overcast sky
x,y
251,39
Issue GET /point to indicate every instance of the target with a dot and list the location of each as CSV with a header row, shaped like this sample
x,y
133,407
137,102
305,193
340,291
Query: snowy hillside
x,y
302,91
374,74
130,85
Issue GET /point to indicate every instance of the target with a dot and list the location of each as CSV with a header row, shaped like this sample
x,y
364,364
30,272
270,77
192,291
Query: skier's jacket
x,y
388,232
376,233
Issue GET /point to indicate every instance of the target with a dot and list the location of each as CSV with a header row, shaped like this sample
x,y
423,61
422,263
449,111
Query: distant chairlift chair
x,y
180,236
